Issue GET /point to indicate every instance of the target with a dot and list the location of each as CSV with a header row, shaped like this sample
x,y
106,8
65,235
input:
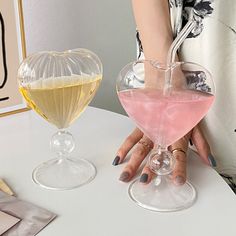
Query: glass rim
x,y
162,66
61,54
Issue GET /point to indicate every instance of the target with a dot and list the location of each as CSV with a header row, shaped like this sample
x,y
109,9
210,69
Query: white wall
x,y
104,26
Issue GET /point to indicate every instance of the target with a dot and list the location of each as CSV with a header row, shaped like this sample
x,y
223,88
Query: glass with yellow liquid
x,y
59,86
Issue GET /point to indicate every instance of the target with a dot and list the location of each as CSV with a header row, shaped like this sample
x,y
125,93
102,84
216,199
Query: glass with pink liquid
x,y
165,102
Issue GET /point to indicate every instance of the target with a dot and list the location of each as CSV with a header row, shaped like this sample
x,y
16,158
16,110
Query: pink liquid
x,y
165,119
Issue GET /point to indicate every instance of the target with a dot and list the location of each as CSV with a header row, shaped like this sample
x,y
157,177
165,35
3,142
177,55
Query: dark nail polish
x,y
190,141
212,160
116,161
124,176
144,178
179,180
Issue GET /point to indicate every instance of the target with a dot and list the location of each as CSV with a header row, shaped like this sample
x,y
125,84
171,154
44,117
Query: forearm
x,y
153,22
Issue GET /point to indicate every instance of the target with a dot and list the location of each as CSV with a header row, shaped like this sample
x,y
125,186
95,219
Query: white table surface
x,y
103,208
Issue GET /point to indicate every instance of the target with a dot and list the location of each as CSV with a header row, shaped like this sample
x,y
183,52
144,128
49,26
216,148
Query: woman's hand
x,y
143,145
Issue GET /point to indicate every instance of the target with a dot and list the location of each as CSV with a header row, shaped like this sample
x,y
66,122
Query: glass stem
x,y
62,143
160,149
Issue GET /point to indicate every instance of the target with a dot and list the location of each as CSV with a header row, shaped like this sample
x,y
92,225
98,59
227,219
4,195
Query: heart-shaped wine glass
x,y
59,86
165,102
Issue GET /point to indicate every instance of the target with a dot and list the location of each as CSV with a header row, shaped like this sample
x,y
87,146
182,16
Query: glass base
x,y
162,195
64,174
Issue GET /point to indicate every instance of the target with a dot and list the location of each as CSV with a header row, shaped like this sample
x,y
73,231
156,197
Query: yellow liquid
x,y
61,100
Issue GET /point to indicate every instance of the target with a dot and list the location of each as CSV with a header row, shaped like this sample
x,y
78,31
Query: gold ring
x,y
145,144
178,150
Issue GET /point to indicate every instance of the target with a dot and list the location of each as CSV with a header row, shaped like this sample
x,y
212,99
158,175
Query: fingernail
x,y
179,179
212,160
116,161
190,141
144,178
124,176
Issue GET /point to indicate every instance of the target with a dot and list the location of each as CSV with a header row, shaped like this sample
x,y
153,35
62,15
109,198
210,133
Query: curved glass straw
x,y
166,197
191,24
170,64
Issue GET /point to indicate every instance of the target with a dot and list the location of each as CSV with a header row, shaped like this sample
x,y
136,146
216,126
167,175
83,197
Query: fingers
x,y
130,141
147,175
202,146
179,150
179,173
139,154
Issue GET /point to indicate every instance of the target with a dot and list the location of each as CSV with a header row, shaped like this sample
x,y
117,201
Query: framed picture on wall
x,y
12,52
